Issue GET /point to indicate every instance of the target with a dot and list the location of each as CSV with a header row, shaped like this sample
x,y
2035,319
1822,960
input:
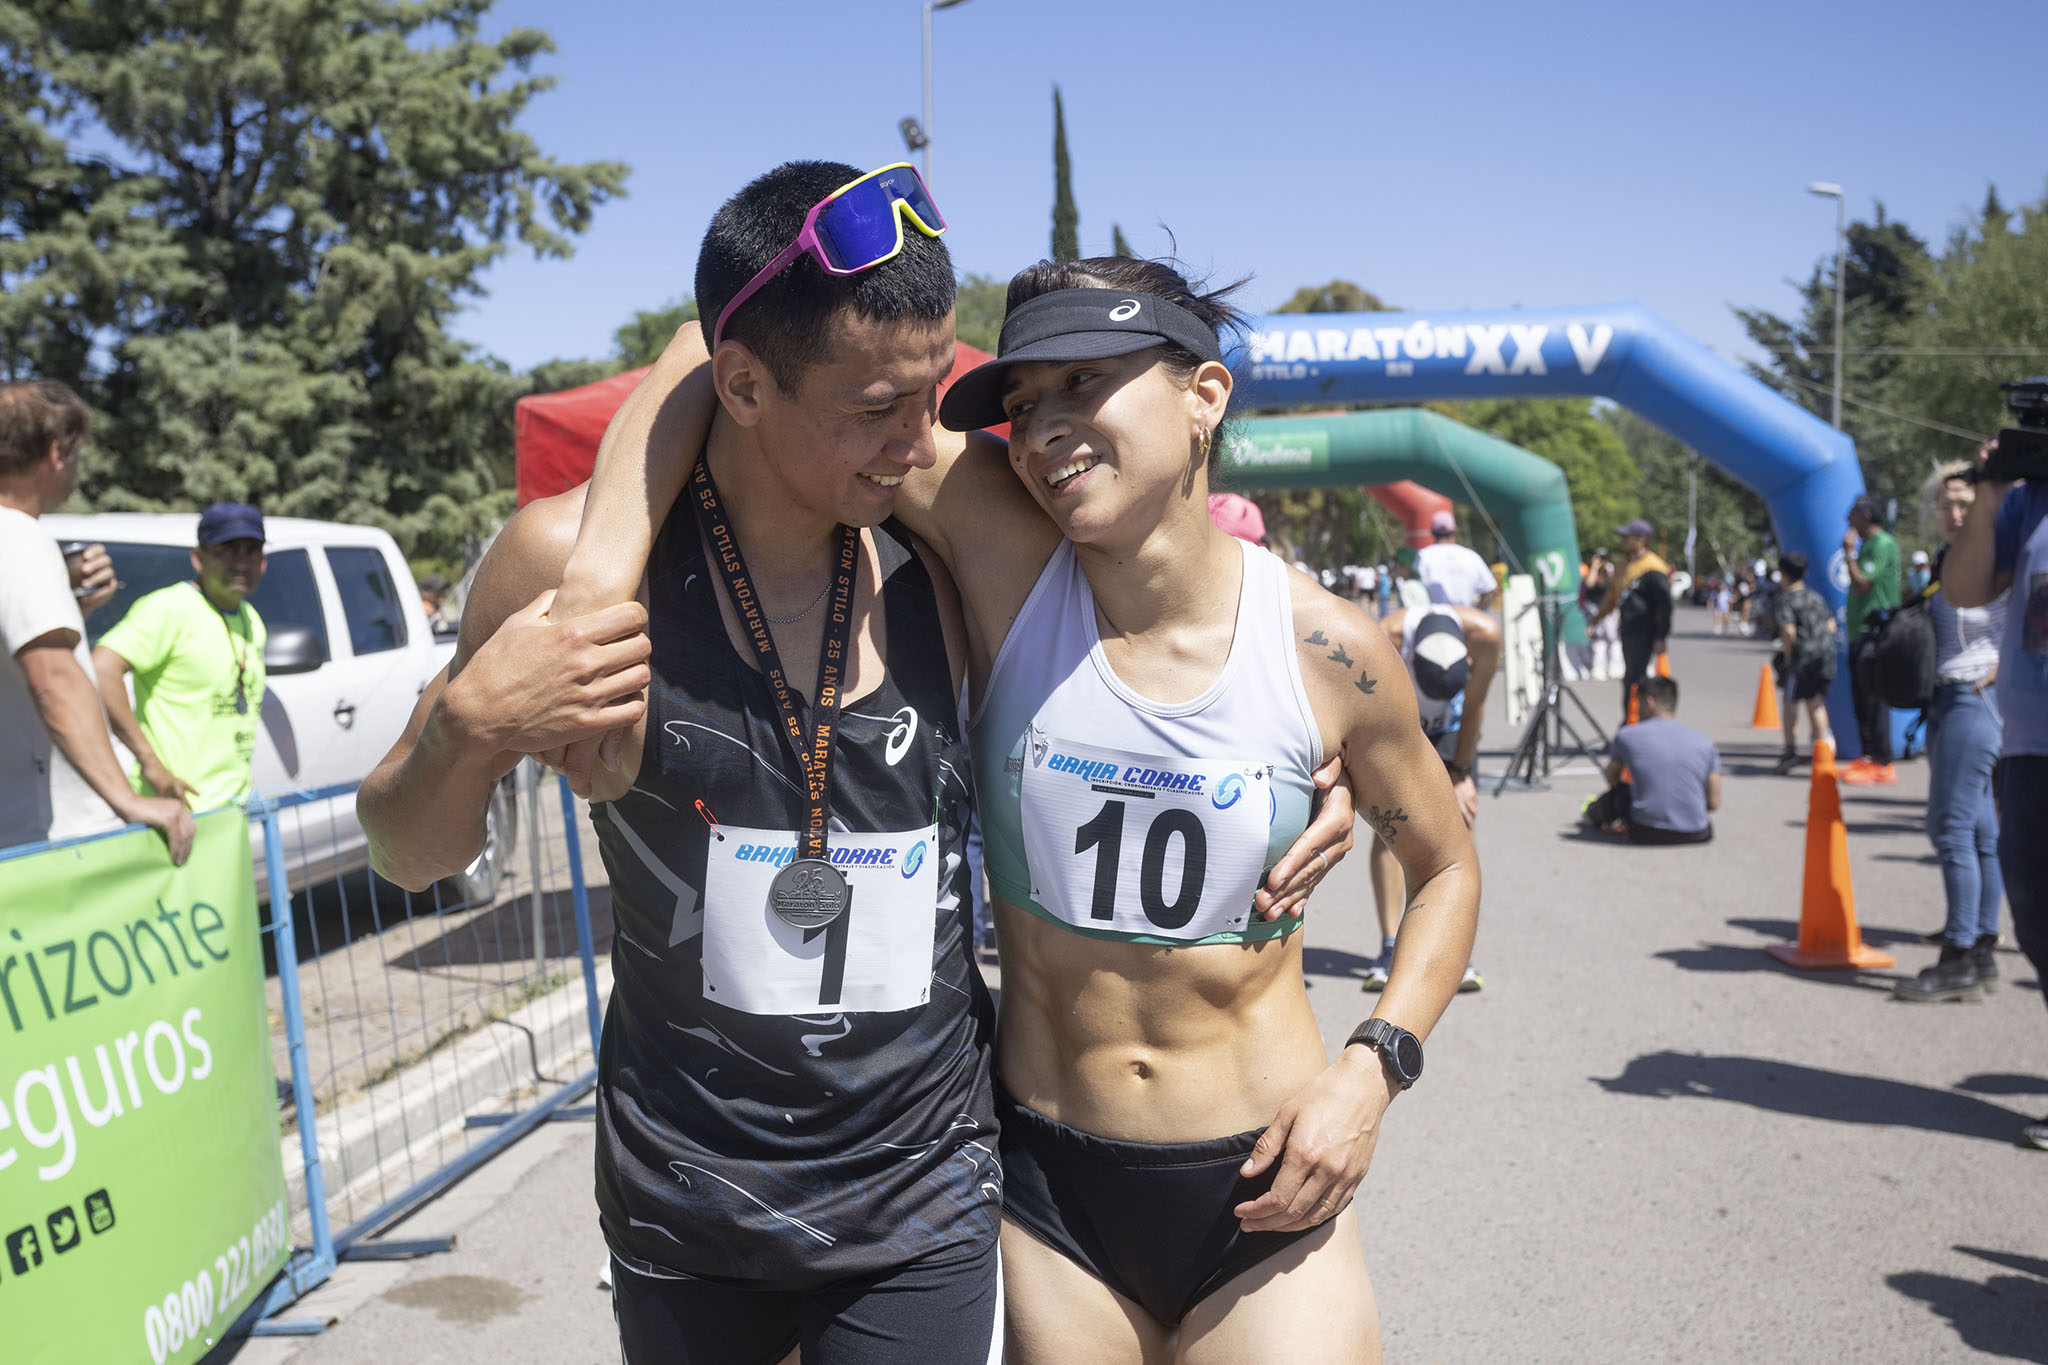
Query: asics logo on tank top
x,y
900,735
1124,311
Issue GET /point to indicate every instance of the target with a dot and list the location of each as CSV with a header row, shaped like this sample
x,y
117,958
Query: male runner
x,y
1452,654
796,1137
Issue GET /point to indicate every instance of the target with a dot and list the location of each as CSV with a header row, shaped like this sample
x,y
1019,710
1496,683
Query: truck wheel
x,y
477,884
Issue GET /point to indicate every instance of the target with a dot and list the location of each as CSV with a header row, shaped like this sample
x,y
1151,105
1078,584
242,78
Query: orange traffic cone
x,y
1766,717
1632,704
1663,665
1828,937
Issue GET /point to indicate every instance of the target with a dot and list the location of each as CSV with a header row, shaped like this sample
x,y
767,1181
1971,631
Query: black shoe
x,y
1954,977
1984,957
1787,761
1935,937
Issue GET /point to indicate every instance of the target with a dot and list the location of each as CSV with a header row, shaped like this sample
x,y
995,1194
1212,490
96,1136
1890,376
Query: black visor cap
x,y
1068,325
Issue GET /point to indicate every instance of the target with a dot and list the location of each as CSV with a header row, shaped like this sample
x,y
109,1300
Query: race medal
x,y
809,894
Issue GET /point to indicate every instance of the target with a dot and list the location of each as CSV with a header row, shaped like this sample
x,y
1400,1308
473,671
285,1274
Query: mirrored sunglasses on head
x,y
856,227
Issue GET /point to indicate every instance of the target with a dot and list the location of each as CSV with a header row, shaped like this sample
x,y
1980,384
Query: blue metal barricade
x,y
423,1032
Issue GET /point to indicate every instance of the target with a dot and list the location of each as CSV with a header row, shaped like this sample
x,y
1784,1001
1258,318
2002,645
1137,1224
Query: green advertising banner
x,y
142,1199
1261,451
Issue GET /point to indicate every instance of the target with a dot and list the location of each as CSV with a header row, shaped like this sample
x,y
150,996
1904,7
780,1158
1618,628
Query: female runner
x,y
1150,700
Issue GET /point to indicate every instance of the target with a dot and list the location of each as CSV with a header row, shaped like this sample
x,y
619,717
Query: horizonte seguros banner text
x,y
142,1199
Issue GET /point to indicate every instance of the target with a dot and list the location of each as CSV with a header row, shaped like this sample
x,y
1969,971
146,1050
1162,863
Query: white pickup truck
x,y
349,652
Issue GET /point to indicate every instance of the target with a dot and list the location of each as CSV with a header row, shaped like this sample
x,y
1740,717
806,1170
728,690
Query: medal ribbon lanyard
x,y
813,752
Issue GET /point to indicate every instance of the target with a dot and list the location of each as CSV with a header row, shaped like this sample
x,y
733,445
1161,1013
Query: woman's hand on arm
x,y
1312,856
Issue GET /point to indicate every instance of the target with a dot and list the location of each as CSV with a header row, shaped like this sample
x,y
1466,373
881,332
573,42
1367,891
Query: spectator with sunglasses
x,y
196,649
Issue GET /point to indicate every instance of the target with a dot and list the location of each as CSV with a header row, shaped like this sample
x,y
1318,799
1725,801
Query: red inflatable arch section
x,y
1413,504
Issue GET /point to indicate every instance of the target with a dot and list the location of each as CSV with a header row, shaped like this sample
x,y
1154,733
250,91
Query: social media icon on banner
x,y
24,1253
64,1230
99,1211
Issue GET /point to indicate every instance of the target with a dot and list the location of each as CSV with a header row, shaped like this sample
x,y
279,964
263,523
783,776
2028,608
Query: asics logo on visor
x,y
1124,311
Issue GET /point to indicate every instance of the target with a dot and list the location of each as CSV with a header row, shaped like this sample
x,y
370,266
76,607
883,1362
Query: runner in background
x,y
1452,654
1452,573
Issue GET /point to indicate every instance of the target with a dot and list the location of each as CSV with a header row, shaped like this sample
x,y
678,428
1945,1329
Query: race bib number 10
x,y
1130,843
876,957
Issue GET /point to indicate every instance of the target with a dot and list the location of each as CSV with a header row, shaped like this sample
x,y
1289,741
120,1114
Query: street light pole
x,y
926,151
1828,190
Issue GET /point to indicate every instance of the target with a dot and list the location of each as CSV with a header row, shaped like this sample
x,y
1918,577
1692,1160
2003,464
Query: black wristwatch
x,y
1399,1049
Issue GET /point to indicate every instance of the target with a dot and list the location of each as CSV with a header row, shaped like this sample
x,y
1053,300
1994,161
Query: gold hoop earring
x,y
1203,435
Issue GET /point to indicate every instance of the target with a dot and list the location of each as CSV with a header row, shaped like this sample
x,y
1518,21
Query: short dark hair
x,y
1869,506
1661,690
35,414
1161,279
1792,567
785,321
433,582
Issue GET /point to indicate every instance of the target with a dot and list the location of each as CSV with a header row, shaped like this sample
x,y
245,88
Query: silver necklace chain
x,y
786,620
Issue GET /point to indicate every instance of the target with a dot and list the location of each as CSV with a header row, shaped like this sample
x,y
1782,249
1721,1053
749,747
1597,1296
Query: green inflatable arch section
x,y
1524,493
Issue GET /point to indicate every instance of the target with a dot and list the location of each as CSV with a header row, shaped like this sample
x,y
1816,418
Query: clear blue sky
x,y
1480,154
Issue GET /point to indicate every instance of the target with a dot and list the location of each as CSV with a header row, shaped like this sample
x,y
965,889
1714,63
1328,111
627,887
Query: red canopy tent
x,y
555,435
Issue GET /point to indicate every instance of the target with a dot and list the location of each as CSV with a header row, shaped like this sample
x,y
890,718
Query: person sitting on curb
x,y
1674,772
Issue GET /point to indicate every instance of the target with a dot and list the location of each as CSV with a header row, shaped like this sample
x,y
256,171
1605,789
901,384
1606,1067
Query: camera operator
x,y
2004,543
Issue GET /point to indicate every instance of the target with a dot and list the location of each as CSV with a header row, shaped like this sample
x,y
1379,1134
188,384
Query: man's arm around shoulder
x,y
519,684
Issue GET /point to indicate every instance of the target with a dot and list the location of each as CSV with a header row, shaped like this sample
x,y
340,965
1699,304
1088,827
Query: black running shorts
x,y
933,1314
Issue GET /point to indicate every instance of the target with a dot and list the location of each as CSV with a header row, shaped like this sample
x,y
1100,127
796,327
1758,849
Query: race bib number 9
x,y
876,957
1129,843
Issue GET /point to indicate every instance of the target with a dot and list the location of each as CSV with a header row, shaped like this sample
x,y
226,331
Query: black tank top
x,y
799,1149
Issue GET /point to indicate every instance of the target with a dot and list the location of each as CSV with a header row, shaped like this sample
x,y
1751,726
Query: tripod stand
x,y
1543,736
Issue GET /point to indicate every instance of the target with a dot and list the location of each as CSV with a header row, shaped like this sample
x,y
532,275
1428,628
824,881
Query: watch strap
x,y
1382,1035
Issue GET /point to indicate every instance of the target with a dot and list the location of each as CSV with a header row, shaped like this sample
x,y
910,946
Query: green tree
x,y
1733,522
252,282
1117,245
1567,432
1338,296
647,333
1984,297
1885,278
978,311
1066,219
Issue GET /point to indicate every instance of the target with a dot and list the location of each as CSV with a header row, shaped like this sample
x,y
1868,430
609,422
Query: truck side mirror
x,y
292,649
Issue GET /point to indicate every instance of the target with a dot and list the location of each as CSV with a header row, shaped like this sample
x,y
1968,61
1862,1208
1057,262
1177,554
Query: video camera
x,y
2022,450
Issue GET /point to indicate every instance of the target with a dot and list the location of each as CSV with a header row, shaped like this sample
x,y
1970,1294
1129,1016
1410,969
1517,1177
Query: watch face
x,y
1408,1055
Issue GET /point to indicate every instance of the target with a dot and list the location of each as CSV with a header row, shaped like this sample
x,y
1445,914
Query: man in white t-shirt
x,y
58,774
1454,575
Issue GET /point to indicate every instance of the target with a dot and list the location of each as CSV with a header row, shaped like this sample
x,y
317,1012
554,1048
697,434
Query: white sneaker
x,y
1376,974
1471,981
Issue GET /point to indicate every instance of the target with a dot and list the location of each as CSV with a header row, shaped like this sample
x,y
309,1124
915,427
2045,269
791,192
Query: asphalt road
x,y
1643,1141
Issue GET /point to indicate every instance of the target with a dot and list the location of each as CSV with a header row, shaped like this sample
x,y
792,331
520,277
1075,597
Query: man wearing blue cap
x,y
196,649
1640,594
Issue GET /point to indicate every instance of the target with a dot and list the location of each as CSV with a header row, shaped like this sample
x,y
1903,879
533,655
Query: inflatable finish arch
x,y
1804,469
1524,493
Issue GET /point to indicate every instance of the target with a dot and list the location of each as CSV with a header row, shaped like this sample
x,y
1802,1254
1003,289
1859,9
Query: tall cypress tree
x,y
1066,219
1117,245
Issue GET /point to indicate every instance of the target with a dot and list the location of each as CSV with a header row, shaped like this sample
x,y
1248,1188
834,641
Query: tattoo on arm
x,y
1366,684
1340,657
1317,639
1382,821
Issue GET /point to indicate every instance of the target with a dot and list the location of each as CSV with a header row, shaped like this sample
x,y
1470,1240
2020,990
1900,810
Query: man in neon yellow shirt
x,y
197,653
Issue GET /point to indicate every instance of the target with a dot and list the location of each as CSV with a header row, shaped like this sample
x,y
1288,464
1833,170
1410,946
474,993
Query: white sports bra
x,y
1135,820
